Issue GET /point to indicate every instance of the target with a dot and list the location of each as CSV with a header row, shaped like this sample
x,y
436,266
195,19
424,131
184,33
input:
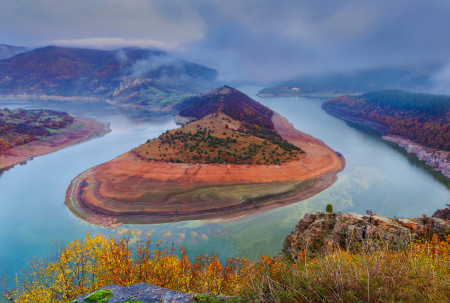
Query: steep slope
x,y
237,159
125,76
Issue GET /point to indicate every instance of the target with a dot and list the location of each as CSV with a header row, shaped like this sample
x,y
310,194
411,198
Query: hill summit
x,y
230,127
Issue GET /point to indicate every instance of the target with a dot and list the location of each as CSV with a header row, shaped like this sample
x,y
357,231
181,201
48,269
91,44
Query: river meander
x,y
377,176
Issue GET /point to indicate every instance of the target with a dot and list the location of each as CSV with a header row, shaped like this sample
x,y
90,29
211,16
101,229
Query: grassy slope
x,y
215,139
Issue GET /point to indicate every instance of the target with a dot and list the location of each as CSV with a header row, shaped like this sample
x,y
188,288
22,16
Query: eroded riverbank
x,y
81,130
128,189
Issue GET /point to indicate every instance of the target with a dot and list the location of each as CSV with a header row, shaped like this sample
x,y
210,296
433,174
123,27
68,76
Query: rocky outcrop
x,y
141,292
322,233
442,213
438,159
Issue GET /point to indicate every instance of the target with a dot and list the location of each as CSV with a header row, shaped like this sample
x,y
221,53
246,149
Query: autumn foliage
x,y
22,126
419,273
422,118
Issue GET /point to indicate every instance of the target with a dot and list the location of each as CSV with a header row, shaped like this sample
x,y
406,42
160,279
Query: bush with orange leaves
x,y
420,273
84,266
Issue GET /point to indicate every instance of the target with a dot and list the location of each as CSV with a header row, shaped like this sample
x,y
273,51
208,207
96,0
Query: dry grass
x,y
215,139
420,273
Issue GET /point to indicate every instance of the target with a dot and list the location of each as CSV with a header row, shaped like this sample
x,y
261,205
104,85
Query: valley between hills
x,y
235,152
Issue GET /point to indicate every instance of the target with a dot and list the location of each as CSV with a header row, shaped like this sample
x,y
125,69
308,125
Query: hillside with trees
x,y
229,127
422,118
128,76
20,126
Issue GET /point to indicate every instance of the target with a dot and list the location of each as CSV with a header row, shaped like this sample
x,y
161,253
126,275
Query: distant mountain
x,y
334,84
7,51
129,76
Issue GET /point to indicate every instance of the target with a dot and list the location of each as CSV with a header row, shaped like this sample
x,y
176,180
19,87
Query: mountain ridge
x,y
127,76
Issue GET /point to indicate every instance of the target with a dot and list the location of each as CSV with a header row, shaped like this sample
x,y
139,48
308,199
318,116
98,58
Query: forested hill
x,y
231,102
432,106
230,127
125,76
255,118
423,118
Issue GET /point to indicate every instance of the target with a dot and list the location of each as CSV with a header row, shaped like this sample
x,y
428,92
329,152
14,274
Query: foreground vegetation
x,y
418,272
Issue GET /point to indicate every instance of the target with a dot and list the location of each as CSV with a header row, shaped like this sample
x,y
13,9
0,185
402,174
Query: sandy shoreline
x,y
81,130
128,189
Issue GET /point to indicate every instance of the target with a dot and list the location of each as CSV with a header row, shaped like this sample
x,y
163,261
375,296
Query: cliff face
x,y
437,159
322,233
443,213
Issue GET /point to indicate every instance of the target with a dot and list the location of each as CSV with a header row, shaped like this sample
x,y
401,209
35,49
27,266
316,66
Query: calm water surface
x,y
377,176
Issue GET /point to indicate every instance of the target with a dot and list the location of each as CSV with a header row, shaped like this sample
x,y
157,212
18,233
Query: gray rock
x,y
144,292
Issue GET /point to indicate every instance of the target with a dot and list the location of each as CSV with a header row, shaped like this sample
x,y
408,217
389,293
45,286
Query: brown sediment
x,y
129,189
80,130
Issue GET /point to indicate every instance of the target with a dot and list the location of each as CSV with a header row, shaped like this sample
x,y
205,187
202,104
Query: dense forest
x,y
422,118
22,126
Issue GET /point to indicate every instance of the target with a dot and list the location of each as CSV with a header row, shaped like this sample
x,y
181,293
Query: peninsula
x,y
234,158
25,134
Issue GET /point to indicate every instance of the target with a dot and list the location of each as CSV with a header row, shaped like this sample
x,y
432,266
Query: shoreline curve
x,y
128,189
80,131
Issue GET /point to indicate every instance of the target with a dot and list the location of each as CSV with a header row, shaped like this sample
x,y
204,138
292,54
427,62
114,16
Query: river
x,y
378,176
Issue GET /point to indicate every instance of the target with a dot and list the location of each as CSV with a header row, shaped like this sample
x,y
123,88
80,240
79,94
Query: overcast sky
x,y
263,40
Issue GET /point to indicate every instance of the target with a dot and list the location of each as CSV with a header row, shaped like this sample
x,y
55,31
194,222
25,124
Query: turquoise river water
x,y
377,176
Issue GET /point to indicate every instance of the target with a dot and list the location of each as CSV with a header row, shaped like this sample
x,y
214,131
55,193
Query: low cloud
x,y
441,80
111,43
261,40
153,63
